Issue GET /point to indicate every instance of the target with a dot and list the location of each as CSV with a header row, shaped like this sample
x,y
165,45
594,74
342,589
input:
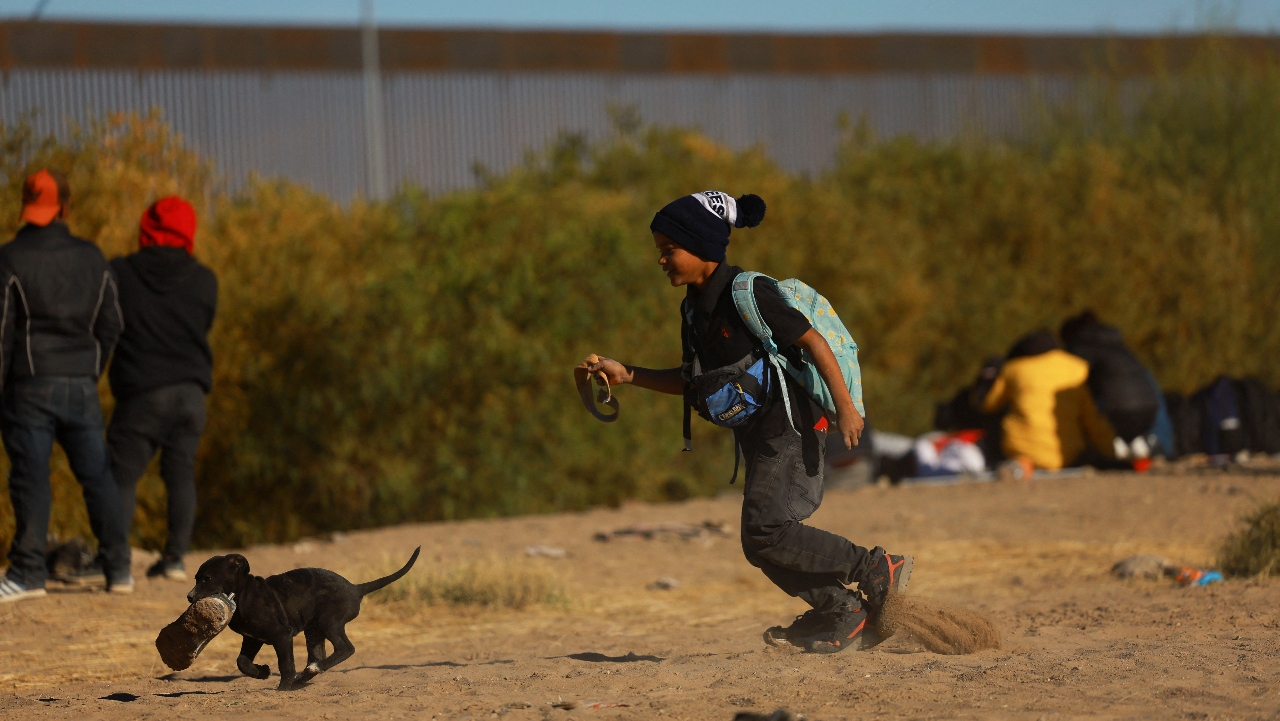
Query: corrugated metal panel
x,y
308,126
230,47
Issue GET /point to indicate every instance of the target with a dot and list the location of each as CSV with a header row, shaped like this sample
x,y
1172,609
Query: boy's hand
x,y
850,424
848,420
613,371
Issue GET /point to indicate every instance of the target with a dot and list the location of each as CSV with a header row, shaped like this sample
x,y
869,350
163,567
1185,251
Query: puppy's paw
x,y
259,671
311,671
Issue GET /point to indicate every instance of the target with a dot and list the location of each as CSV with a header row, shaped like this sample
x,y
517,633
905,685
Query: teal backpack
x,y
818,311
729,396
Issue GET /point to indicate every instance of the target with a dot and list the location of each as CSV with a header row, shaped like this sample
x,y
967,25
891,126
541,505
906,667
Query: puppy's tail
x,y
367,588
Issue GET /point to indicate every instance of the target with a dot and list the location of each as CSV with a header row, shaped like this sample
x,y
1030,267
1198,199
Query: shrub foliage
x,y
410,360
1254,548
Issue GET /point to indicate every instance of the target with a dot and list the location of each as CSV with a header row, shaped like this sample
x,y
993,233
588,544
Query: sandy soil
x,y
1033,558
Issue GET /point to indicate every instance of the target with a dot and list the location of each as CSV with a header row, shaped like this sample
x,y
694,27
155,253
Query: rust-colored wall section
x,y
87,45
697,54
1002,55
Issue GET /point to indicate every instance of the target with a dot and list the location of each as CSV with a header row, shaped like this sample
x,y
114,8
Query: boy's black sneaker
x,y
850,630
889,575
808,624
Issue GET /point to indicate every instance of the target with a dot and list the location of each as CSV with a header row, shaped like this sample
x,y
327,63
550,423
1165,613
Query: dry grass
x,y
486,583
1254,549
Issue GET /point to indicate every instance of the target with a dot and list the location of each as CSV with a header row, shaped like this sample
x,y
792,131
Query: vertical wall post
x,y
374,125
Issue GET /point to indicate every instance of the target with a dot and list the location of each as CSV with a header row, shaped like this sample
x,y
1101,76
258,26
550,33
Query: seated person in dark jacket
x,y
163,368
59,324
1120,384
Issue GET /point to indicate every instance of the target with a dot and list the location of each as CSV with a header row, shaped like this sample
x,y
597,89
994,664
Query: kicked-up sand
x,y
939,627
1064,638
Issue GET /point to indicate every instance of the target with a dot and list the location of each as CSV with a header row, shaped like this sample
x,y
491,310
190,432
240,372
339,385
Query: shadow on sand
x,y
200,679
601,658
431,664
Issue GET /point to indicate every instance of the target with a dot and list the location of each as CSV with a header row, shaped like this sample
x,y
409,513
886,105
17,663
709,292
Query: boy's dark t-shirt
x,y
720,337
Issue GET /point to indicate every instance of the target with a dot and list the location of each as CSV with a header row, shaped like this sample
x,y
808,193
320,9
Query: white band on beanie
x,y
722,204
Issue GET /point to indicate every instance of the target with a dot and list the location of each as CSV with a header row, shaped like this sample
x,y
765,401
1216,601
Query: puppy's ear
x,y
239,563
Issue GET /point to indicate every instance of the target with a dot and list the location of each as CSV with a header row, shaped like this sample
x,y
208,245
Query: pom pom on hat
x,y
750,211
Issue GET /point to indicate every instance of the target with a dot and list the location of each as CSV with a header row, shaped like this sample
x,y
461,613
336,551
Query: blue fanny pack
x,y
731,395
728,396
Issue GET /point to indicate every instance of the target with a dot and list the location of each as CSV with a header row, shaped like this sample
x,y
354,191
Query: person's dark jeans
x,y
783,488
169,419
34,413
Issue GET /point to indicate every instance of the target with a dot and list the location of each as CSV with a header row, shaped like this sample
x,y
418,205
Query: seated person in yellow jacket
x,y
1051,412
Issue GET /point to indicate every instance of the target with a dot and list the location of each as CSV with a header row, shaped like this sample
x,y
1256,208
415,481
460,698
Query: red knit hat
x,y
170,222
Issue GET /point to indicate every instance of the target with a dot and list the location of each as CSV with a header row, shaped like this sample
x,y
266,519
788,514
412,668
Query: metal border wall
x,y
290,102
308,126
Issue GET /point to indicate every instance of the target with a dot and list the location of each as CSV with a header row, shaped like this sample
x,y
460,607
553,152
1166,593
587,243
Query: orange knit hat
x,y
40,204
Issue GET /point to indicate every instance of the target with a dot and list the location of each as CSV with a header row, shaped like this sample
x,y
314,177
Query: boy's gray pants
x,y
783,488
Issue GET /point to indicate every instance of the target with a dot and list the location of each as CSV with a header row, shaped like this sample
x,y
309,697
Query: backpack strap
x,y
744,300
737,454
688,371
688,425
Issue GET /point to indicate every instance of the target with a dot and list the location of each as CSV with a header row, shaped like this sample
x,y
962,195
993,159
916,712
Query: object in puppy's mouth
x,y
181,642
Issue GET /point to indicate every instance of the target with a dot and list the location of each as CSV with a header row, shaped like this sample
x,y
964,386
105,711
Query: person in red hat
x,y
60,323
163,368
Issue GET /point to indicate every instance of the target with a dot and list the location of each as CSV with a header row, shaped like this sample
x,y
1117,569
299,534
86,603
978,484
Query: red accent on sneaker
x,y
893,568
856,631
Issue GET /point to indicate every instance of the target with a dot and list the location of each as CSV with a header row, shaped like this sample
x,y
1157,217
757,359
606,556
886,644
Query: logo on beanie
x,y
722,204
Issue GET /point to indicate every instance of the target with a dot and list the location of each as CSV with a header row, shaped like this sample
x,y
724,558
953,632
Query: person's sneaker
x,y
889,575
849,629
88,575
11,591
168,568
120,585
808,624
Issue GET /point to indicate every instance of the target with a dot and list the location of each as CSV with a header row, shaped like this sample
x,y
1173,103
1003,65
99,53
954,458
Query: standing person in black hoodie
x,y
1121,386
163,368
60,321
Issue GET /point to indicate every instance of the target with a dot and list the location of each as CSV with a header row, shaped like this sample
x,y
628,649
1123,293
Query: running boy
x,y
783,446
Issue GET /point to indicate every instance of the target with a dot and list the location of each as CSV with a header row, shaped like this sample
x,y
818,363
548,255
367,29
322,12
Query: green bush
x,y
1254,549
410,360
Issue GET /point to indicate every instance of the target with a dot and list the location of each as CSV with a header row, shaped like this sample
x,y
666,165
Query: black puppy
x,y
274,609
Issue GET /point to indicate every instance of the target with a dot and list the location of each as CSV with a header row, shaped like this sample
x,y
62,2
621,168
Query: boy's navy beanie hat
x,y
700,223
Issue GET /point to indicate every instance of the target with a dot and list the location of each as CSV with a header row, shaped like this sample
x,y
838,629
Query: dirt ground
x,y
1034,558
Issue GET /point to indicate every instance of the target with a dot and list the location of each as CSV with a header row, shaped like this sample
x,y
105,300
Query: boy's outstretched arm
x,y
848,421
665,380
